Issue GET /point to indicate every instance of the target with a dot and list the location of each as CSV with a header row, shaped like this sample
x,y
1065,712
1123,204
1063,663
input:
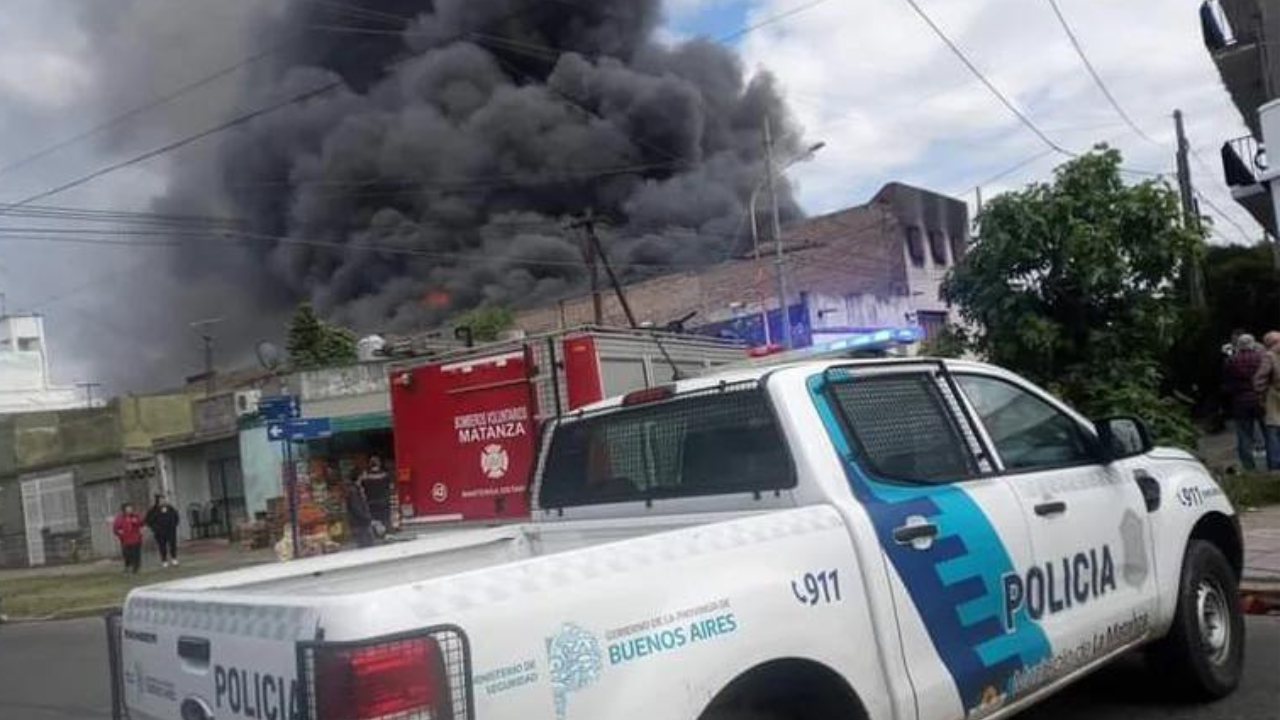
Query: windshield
x,y
708,443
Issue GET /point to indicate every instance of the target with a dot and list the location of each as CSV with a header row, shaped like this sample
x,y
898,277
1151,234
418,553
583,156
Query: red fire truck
x,y
466,423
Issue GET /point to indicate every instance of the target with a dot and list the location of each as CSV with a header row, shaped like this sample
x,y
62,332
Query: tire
x,y
1204,650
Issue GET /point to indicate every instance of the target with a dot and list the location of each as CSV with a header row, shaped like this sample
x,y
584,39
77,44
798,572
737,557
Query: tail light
x,y
656,393
419,677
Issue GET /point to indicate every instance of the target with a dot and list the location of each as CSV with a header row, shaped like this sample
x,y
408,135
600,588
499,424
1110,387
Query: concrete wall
x,y
147,418
53,439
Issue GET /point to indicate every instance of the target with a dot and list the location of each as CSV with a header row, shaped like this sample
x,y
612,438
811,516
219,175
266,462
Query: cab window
x,y
903,429
1029,433
721,441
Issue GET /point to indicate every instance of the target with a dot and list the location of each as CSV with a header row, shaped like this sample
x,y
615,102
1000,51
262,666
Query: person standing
x,y
358,516
128,530
377,490
1267,384
163,520
1243,402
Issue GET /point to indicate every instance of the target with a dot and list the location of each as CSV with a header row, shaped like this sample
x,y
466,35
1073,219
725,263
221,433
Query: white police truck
x,y
916,539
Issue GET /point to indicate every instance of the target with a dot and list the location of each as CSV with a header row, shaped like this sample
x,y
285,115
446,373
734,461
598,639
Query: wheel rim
x,y
1214,620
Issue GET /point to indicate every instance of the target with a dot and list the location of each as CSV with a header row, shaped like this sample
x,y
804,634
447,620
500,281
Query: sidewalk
x,y
94,587
1261,548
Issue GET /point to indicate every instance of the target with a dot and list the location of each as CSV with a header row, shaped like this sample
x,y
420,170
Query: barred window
x,y
713,442
902,428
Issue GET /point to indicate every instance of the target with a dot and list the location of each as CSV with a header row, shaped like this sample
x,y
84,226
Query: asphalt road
x,y
57,671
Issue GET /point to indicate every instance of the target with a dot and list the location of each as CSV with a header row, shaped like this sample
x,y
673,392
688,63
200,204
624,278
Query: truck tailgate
x,y
217,658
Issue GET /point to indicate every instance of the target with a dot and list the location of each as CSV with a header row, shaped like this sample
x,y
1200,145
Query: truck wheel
x,y
1204,650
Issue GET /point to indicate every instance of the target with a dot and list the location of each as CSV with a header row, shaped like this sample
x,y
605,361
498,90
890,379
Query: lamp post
x,y
768,182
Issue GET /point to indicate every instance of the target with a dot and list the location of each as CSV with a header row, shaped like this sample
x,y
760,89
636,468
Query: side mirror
x,y
1123,437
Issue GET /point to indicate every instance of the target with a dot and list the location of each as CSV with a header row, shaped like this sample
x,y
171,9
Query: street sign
x,y
299,429
278,408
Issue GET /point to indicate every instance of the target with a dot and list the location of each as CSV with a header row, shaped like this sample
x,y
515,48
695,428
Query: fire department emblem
x,y
494,461
439,492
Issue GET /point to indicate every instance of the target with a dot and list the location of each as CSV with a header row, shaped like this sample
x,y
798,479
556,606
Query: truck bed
x,y
431,556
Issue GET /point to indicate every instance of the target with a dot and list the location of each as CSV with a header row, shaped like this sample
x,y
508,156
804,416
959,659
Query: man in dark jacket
x,y
358,516
1243,402
163,520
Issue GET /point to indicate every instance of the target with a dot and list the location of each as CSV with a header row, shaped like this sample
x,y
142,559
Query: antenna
x,y
201,327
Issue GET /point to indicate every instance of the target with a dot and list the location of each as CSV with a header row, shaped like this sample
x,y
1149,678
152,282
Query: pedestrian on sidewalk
x,y
1267,383
1243,402
128,530
358,515
163,520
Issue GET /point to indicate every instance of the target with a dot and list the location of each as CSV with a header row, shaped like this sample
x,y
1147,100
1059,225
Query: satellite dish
x,y
269,355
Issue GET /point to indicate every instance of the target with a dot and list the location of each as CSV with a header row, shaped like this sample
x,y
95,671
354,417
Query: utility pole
x,y
589,226
88,391
590,255
780,261
1190,212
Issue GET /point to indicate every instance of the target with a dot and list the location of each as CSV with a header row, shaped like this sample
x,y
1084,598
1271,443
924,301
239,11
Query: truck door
x,y
950,529
1092,585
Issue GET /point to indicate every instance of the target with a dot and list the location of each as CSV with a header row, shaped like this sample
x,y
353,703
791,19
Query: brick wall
x,y
852,252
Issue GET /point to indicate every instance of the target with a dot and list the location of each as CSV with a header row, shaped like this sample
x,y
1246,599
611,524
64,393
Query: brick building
x,y
874,265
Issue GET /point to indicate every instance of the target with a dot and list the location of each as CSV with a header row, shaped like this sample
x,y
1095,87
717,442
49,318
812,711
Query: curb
x,y
70,614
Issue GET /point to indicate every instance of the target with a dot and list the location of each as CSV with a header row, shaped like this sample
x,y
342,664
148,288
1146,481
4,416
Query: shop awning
x,y
360,423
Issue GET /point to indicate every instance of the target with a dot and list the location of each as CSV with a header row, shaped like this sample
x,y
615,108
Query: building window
x,y
932,322
938,248
915,246
57,503
957,248
28,344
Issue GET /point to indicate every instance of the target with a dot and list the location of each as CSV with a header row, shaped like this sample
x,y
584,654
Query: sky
x,y
866,77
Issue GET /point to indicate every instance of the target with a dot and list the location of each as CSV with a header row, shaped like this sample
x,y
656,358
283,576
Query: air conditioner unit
x,y
247,402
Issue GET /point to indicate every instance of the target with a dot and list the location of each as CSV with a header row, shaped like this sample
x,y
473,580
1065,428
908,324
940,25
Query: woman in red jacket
x,y
128,529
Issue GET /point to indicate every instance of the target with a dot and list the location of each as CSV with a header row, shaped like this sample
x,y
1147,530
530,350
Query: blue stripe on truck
x,y
956,584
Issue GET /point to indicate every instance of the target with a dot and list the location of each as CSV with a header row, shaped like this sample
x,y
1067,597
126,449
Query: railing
x,y
1243,161
1215,27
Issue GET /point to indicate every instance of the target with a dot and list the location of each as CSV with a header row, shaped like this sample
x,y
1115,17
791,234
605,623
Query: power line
x,y
1218,211
134,112
1097,78
170,147
955,49
769,21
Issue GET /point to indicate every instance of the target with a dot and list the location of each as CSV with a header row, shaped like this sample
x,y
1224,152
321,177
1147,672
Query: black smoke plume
x,y
440,174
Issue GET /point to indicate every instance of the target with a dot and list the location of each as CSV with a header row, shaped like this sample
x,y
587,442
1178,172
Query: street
x,y
57,671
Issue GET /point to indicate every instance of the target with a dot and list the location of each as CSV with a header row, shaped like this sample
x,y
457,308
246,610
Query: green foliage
x,y
1251,489
1074,284
951,342
486,321
314,343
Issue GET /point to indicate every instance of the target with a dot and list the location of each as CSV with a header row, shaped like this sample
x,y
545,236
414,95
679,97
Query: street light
x,y
766,182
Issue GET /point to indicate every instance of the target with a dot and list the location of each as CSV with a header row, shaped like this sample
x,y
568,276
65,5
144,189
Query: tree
x,y
486,321
314,343
1076,284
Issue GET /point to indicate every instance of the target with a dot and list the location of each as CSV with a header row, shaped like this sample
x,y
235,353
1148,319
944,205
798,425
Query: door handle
x,y
907,534
1055,507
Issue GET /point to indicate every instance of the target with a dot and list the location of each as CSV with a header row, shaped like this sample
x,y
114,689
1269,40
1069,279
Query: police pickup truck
x,y
920,539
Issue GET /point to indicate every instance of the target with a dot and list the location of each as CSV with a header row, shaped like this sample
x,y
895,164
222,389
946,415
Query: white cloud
x,y
43,79
892,102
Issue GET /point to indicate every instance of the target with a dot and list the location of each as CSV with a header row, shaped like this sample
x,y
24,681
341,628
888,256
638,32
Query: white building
x,y
24,369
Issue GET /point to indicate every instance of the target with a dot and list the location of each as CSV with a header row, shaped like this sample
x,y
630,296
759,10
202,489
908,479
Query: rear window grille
x,y
446,649
903,428
718,441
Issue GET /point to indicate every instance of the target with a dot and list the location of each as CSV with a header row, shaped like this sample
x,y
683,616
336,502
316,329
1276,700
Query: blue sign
x,y
749,328
299,429
278,408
